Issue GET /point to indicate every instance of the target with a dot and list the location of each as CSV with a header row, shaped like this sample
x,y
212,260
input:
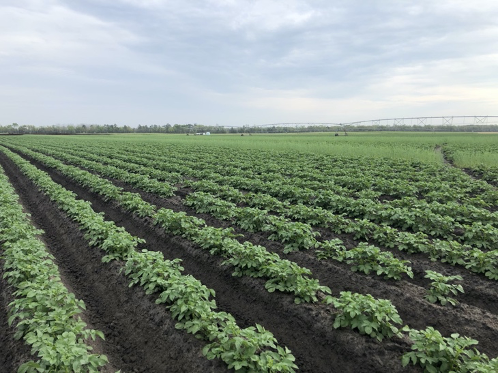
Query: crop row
x,y
353,177
247,258
477,233
43,310
297,235
452,221
447,251
189,301
443,189
376,318
394,178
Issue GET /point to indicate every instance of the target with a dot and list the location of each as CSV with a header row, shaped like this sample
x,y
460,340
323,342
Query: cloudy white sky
x,y
236,62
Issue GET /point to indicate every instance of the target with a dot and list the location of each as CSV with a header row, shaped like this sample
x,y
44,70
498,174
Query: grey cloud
x,y
211,57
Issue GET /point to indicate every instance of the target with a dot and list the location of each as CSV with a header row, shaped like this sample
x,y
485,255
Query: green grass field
x,y
469,150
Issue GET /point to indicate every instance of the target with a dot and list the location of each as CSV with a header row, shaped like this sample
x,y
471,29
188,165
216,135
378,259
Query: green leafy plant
x,y
370,316
365,258
44,313
252,349
251,219
435,353
332,249
244,350
483,262
440,289
294,235
178,223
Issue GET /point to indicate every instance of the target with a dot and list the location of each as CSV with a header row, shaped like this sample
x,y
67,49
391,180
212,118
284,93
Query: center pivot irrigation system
x,y
399,121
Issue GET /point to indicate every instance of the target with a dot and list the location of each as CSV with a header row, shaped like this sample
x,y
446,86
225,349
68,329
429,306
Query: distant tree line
x,y
196,128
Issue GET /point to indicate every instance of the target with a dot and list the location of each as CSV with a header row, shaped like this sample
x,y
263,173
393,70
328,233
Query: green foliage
x,y
370,316
43,311
365,258
252,349
482,262
178,223
435,353
440,289
294,235
244,350
409,205
133,202
331,249
207,203
251,219
217,240
187,299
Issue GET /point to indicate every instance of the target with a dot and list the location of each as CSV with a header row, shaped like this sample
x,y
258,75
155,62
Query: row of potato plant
x,y
472,229
319,180
475,234
251,349
298,236
141,180
248,259
119,248
472,217
447,251
294,235
463,361
451,252
411,176
44,312
369,187
407,219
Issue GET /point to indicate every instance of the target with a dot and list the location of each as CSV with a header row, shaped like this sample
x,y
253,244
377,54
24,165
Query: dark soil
x,y
305,329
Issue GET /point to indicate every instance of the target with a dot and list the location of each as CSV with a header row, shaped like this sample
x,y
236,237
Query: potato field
x,y
263,253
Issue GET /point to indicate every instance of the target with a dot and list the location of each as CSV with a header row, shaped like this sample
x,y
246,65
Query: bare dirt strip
x,y
307,329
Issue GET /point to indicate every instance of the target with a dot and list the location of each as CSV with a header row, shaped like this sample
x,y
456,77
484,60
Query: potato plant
x,y
435,353
187,298
370,316
43,310
440,288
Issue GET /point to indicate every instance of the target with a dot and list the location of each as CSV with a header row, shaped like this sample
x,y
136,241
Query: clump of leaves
x,y
373,317
365,258
440,289
435,353
252,349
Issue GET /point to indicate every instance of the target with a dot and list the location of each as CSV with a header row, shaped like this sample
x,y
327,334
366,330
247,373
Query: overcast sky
x,y
245,61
